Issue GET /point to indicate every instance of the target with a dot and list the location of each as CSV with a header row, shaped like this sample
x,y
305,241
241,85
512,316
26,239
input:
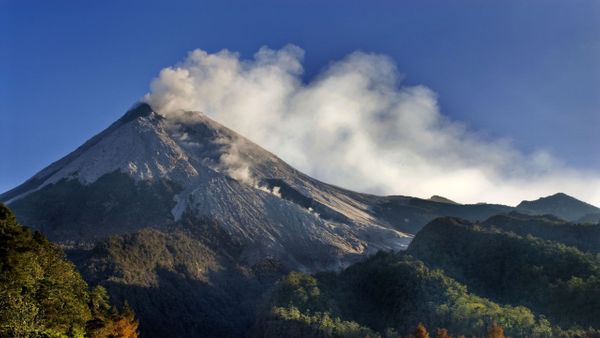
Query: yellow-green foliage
x,y
41,292
291,322
391,293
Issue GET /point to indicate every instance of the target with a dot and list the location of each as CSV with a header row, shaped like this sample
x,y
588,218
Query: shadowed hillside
x,y
553,279
585,236
561,205
388,295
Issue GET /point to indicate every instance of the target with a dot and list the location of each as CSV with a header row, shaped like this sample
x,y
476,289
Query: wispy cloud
x,y
357,126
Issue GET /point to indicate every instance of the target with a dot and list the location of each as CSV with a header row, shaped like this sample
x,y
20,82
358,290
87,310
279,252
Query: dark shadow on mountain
x,y
561,205
410,214
185,281
549,277
114,204
585,237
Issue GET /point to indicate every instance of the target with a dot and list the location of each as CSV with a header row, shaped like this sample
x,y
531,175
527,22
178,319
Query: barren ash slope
x,y
148,171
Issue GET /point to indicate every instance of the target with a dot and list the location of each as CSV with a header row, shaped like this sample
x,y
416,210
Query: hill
x,y
552,279
561,205
182,282
387,295
457,275
585,237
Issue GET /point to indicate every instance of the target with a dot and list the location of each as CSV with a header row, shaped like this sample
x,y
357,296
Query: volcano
x,y
147,171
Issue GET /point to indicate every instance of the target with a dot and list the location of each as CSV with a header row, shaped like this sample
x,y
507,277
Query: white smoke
x,y
354,125
235,165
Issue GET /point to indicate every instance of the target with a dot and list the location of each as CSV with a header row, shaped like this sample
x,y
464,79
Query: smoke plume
x,y
356,125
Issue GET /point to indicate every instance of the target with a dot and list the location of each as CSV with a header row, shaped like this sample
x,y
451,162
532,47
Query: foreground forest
x,y
43,295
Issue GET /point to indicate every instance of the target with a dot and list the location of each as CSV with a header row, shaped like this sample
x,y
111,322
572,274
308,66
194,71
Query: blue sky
x,y
524,70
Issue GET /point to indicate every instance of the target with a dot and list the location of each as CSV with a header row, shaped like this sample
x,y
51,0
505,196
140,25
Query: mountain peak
x,y
140,109
441,199
559,204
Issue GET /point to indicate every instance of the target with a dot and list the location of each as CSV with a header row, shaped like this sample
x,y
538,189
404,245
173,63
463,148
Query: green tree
x,y
43,295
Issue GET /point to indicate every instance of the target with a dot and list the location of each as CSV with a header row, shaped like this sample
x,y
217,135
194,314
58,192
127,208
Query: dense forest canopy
x,y
43,295
556,280
514,274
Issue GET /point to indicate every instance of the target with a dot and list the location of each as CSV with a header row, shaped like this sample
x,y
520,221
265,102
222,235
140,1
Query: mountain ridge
x,y
559,204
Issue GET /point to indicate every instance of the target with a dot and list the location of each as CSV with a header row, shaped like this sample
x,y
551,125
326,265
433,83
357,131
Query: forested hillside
x,y
555,280
513,270
42,295
561,205
184,282
388,295
584,236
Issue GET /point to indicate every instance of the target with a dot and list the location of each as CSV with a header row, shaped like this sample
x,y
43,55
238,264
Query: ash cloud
x,y
235,165
356,125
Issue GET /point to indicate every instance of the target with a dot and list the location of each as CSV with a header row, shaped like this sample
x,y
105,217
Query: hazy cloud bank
x,y
356,126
